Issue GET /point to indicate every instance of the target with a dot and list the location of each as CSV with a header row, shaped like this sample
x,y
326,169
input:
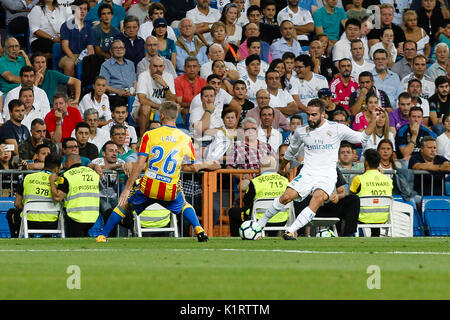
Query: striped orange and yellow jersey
x,y
166,149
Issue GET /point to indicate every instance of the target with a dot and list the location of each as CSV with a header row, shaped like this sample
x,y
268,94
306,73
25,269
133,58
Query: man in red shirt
x,y
62,119
188,85
344,85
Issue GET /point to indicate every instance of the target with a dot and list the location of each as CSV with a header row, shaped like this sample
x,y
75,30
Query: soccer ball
x,y
250,230
325,233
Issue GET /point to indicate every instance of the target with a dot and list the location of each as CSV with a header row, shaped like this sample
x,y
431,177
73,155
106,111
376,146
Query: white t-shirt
x,y
131,137
253,87
46,20
242,68
301,18
342,49
152,89
357,69
101,137
274,140
321,146
281,100
103,108
428,87
198,17
308,89
206,69
443,146
41,102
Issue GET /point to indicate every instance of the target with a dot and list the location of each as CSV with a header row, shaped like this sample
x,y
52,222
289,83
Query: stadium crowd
x,y
88,78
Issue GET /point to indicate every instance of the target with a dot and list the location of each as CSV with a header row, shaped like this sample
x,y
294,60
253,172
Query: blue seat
x,y
25,35
130,119
418,229
436,215
6,203
57,54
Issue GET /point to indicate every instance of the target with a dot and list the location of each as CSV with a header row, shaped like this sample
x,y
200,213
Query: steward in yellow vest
x,y
269,184
79,188
372,183
35,186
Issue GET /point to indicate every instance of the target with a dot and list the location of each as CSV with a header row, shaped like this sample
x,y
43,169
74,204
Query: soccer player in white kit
x,y
321,140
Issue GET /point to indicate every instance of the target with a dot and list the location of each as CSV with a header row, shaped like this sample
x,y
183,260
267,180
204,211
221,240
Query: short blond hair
x,y
169,109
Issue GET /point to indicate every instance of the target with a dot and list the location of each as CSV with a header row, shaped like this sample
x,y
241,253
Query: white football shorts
x,y
306,184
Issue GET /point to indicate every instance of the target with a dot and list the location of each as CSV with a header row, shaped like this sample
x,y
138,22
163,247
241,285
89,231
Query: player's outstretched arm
x,y
201,165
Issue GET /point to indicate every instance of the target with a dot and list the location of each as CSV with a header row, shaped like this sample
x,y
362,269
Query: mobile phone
x,y
9,147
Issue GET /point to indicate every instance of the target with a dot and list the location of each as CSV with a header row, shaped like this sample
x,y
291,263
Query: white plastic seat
x,y
376,202
172,228
41,207
261,205
318,222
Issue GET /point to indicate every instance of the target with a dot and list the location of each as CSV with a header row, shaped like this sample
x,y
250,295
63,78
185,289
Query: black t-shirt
x,y
327,69
246,106
438,176
384,99
430,25
436,105
330,113
399,35
10,131
89,151
404,136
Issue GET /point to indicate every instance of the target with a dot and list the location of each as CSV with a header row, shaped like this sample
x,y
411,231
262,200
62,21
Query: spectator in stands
x,y
415,90
253,78
254,48
218,67
189,84
45,20
262,100
381,132
287,43
98,100
279,98
415,33
27,78
119,72
85,148
269,12
28,189
346,162
252,31
403,67
342,47
229,18
301,18
134,45
439,104
340,116
321,63
367,86
445,34
357,11
328,20
294,122
11,63
13,131
155,11
37,163
400,116
49,80
310,82
431,17
385,79
154,87
62,119
140,11
70,146
386,18
151,46
17,18
224,139
326,96
118,134
119,109
362,186
219,36
387,157
443,141
27,149
166,46
409,137
26,96
82,208
216,52
76,39
245,153
359,62
203,16
438,68
419,67
240,95
266,133
189,45
344,85
97,136
427,159
94,16
386,43
268,32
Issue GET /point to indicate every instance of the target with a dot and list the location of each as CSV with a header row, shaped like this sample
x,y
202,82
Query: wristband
x,y
210,112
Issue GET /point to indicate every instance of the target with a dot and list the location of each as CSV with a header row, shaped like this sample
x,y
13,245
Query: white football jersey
x,y
254,87
308,89
321,146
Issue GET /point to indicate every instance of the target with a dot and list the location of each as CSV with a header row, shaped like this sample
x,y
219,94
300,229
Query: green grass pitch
x,y
225,268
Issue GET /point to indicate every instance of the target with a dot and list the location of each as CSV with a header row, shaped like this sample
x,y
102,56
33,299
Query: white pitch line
x,y
230,250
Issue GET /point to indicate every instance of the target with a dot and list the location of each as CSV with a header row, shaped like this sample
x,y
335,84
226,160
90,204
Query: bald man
x,y
10,64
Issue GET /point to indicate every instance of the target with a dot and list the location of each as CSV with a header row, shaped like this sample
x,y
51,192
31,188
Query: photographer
x,y
366,87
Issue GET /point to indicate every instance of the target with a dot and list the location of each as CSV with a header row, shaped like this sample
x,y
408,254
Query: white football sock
x,y
302,220
276,207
